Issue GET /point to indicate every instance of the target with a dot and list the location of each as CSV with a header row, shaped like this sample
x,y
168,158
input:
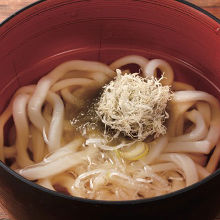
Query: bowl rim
x,y
181,1
200,9
108,202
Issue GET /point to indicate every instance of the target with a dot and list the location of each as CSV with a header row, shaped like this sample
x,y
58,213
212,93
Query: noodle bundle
x,y
57,139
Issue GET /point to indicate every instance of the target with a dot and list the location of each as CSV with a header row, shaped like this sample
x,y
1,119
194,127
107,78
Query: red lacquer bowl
x,y
41,36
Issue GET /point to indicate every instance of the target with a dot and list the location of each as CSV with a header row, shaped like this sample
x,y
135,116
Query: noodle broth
x,y
75,160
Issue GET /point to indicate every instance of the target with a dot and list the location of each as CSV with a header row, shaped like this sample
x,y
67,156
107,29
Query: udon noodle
x,y
46,146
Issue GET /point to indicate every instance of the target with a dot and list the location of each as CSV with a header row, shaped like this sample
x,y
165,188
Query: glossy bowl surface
x,y
47,33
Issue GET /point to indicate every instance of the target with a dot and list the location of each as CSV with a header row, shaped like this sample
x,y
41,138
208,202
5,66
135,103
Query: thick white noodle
x,y
44,84
189,147
4,117
46,183
198,133
22,129
177,111
205,110
177,182
69,148
131,59
99,77
47,169
72,82
183,162
162,167
37,144
156,149
92,167
56,125
214,129
70,98
165,68
47,112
